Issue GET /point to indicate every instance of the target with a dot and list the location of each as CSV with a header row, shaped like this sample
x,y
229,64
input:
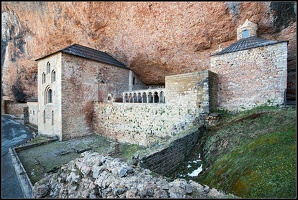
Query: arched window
x,y
53,76
156,98
48,67
130,98
52,117
135,98
140,100
245,34
49,96
150,97
44,116
144,96
43,77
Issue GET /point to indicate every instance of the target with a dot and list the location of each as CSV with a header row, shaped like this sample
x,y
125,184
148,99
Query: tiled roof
x,y
92,54
247,43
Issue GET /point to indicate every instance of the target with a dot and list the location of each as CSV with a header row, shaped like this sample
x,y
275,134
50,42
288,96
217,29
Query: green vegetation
x,y
128,150
252,154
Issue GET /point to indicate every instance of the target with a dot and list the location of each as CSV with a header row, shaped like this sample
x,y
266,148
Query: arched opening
x,y
53,76
245,34
110,98
140,100
144,97
49,96
44,116
52,117
135,100
43,77
156,98
126,98
150,97
130,98
48,67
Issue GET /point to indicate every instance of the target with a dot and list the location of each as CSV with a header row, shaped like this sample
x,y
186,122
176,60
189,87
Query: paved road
x,y
13,134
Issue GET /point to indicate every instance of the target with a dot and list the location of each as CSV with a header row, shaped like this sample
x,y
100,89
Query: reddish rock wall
x,y
155,39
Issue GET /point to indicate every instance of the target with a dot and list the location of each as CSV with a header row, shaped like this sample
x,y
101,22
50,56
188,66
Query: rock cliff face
x,y
154,39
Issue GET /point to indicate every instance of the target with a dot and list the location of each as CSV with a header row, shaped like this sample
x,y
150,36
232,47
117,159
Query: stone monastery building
x,y
83,91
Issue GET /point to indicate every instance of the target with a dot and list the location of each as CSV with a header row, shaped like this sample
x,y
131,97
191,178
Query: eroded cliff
x,y
154,39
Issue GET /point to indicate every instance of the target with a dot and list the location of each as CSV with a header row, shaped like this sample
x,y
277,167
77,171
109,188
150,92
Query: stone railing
x,y
155,95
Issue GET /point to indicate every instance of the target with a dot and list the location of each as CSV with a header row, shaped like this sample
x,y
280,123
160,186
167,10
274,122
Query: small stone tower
x,y
246,30
251,71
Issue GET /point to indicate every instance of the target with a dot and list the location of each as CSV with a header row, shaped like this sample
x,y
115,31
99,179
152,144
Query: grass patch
x,y
128,150
252,154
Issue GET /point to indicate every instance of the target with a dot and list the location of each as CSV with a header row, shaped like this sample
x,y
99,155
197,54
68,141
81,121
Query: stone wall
x,y
33,112
213,91
26,115
14,108
187,98
49,114
142,124
196,90
84,82
251,77
165,160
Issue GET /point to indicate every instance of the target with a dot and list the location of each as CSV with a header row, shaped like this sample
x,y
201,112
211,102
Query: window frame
x,y
53,76
48,67
43,77
245,33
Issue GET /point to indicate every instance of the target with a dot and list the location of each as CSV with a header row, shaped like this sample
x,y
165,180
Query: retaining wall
x,y
189,98
14,108
165,160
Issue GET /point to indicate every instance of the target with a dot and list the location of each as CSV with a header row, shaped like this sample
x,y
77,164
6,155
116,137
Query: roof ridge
x,y
90,53
247,43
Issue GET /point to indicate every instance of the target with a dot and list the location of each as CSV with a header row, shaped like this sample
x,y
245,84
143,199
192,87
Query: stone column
x,y
158,95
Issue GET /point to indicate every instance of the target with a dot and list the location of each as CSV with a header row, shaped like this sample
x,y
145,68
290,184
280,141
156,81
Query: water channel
x,y
191,167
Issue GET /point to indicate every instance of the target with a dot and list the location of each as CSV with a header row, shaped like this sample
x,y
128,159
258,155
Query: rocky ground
x,y
95,176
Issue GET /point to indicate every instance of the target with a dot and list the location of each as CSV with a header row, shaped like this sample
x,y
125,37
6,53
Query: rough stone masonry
x,y
96,176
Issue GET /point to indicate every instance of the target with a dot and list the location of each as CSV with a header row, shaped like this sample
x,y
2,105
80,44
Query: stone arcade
x,y
83,90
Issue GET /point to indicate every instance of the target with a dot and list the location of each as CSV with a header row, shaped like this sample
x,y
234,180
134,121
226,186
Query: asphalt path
x,y
13,133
